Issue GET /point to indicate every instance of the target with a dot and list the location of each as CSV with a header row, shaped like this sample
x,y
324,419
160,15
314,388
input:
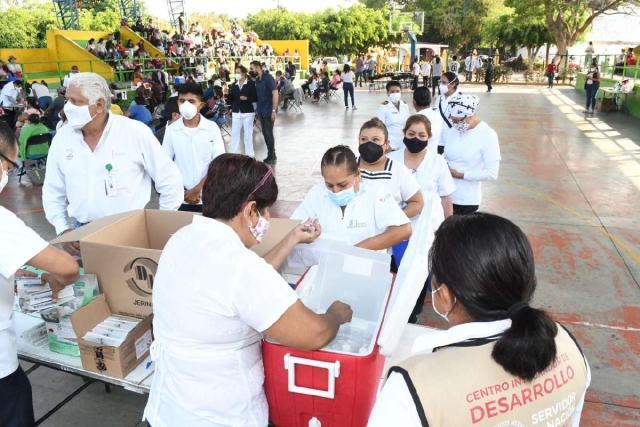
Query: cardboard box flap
x,y
93,227
278,229
89,316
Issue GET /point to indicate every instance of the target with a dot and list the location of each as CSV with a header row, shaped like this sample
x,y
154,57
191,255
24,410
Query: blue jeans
x,y
591,95
551,76
44,102
221,120
348,90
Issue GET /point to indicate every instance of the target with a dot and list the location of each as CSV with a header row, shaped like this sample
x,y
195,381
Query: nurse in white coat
x,y
21,245
213,300
361,212
375,166
394,113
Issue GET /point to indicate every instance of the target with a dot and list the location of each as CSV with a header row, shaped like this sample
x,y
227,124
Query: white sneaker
x,y
354,108
346,108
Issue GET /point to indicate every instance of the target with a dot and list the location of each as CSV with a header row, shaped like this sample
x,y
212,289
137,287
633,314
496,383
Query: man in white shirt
x,y
454,65
20,246
102,163
192,142
41,93
422,104
426,73
416,73
74,71
9,99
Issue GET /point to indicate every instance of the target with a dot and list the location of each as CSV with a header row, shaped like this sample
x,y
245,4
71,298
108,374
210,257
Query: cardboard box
x,y
114,361
123,250
605,104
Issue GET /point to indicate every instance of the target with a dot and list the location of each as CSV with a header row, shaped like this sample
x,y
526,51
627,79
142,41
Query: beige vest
x,y
464,386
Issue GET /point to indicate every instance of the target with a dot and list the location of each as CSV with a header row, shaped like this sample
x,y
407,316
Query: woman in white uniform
x,y
21,245
394,112
362,212
448,88
472,151
213,299
502,362
376,166
434,178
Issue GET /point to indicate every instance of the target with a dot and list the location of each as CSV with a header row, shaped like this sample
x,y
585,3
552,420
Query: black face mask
x,y
253,74
415,145
370,152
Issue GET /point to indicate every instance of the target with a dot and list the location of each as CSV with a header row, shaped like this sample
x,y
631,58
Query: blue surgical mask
x,y
342,198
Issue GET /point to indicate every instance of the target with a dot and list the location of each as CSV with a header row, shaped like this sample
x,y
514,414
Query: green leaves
x,y
28,27
330,33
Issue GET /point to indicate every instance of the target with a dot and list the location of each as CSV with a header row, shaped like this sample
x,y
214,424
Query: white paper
x,y
358,266
143,344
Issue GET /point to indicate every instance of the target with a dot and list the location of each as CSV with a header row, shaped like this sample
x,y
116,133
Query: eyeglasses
x,y
14,165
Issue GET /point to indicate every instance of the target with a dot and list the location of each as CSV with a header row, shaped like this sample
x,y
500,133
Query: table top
x,y
140,379
616,92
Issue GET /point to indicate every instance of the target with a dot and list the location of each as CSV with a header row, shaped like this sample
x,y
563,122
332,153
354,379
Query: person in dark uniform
x,y
488,76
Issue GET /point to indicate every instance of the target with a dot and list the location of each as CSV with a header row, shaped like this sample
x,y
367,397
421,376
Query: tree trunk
x,y
531,59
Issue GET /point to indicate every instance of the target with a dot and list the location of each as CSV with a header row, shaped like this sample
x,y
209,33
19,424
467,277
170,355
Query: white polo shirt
x,y
416,69
476,153
208,333
426,69
436,127
19,245
8,95
435,181
193,149
77,174
394,119
40,90
396,177
369,214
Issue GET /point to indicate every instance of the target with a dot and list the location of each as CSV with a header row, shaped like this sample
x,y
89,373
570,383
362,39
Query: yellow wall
x,y
70,54
279,46
24,56
82,35
127,33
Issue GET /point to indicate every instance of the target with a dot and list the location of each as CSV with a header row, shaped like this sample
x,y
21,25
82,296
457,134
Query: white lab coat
x,y
212,298
369,214
395,119
78,175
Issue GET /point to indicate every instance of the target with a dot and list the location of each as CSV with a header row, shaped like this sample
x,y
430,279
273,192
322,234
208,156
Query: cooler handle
x,y
333,372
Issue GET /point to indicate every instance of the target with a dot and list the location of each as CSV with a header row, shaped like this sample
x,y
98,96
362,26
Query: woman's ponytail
x,y
528,347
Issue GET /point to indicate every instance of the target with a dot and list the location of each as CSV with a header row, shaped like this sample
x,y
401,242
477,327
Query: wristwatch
x,y
273,111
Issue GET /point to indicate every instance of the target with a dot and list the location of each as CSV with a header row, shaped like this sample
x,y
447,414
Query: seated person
x,y
483,282
217,107
208,94
32,108
34,127
199,69
323,87
285,88
306,87
115,106
138,77
138,109
335,81
345,198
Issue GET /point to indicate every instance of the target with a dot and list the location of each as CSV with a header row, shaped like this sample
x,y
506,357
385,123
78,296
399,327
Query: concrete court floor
x,y
571,181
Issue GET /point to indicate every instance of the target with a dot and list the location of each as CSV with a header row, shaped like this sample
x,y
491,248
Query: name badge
x,y
356,224
110,188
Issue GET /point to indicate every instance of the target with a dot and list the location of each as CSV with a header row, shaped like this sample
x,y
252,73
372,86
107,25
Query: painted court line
x,y
599,325
600,228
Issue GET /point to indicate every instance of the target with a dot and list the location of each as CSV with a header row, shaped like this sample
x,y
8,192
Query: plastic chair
x,y
33,164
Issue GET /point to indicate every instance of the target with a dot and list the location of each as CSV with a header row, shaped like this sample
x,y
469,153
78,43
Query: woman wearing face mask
x,y
207,330
483,279
394,114
472,150
242,96
376,166
592,85
21,246
448,88
361,212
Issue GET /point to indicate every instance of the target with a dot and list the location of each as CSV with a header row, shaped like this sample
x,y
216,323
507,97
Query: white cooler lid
x,y
410,280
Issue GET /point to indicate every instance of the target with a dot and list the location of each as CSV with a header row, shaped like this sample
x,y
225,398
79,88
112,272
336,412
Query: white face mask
x,y
462,127
394,97
78,116
4,180
444,88
238,77
188,110
433,303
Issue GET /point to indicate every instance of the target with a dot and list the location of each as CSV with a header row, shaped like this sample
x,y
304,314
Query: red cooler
x,y
337,385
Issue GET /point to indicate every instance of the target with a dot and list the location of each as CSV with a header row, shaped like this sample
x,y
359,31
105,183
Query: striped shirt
x,y
396,177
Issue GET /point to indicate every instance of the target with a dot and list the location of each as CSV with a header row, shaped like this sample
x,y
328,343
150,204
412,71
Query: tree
x,y
512,30
568,20
28,27
330,33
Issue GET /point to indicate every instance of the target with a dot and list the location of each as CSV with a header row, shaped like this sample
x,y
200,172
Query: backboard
x,y
406,21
